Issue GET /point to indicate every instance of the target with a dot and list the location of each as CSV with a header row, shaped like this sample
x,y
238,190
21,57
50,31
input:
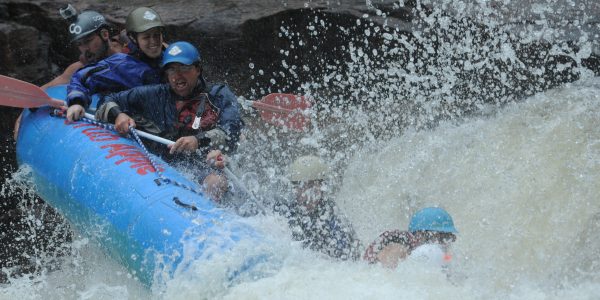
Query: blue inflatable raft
x,y
107,188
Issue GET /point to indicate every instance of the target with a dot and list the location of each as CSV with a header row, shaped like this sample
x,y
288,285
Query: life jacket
x,y
197,114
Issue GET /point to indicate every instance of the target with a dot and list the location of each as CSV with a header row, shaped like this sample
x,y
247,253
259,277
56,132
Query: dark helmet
x,y
181,52
86,23
142,19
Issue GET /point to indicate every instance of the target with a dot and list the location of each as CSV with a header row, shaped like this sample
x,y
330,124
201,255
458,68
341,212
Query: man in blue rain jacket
x,y
186,109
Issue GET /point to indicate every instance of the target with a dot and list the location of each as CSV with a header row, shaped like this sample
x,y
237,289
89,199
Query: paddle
x,y
17,93
282,110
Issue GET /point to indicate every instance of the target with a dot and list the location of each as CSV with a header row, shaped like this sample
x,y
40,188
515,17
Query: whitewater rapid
x,y
519,180
519,176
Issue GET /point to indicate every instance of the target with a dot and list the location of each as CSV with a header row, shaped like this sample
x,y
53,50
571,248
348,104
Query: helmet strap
x,y
105,46
133,37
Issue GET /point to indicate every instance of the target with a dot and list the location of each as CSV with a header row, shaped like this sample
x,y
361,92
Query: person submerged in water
x,y
428,226
312,216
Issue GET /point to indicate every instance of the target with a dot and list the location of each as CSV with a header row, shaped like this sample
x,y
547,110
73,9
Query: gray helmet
x,y
86,23
307,168
142,19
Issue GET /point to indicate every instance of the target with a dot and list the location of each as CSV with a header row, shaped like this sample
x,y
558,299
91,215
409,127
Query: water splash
x,y
519,182
422,106
40,235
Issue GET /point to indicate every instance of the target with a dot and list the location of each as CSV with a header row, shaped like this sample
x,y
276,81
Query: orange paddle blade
x,y
285,110
17,93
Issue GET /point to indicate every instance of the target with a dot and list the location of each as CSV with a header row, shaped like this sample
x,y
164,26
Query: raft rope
x,y
166,180
136,137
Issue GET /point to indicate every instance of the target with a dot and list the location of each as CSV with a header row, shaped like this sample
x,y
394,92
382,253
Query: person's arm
x,y
82,86
140,100
115,110
65,77
116,73
129,101
391,254
399,240
123,122
230,118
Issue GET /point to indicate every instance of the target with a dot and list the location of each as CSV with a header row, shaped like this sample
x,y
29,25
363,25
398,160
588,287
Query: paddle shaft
x,y
142,133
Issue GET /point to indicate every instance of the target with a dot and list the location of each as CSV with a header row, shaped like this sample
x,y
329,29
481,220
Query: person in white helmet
x,y
313,216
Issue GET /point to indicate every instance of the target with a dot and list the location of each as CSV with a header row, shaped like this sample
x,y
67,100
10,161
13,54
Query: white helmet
x,y
307,168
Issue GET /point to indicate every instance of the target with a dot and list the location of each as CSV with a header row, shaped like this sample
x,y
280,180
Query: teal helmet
x,y
85,24
180,52
432,219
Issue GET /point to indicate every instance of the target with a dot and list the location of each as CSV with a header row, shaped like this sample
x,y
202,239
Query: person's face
x,y
391,254
309,193
182,78
150,42
92,46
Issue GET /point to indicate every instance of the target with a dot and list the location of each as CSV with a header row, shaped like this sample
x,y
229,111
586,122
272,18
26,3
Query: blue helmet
x,y
180,52
432,219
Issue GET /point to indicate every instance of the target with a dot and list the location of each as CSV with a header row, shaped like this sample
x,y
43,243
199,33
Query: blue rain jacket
x,y
157,103
115,73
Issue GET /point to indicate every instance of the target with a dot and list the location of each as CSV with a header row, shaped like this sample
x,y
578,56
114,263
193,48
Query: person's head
x,y
433,225
90,32
181,64
390,247
307,174
145,29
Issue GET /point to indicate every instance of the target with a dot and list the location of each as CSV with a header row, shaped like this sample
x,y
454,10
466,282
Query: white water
x,y
521,182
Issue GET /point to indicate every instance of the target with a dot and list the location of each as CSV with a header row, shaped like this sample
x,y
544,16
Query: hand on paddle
x,y
75,112
57,103
123,122
185,143
215,185
216,159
